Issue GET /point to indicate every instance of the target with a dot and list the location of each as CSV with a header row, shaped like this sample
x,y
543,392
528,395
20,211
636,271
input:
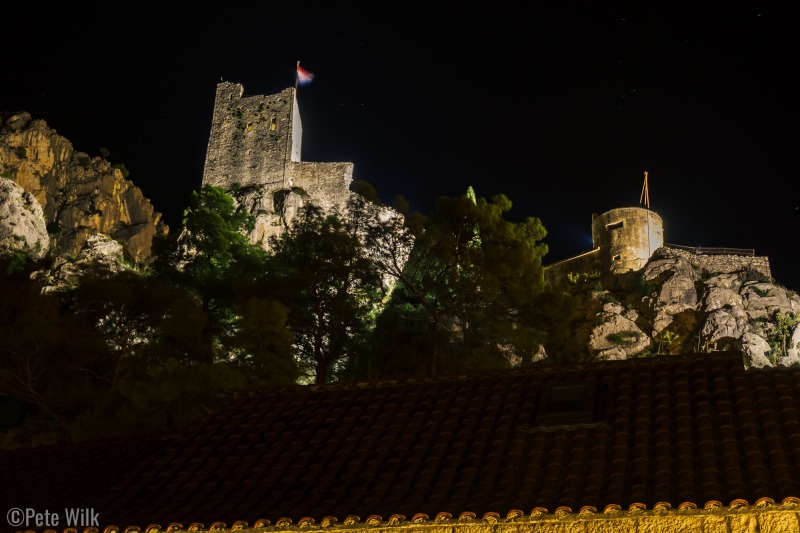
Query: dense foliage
x,y
355,295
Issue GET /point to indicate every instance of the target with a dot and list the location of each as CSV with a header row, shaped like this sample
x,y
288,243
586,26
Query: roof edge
x,y
739,516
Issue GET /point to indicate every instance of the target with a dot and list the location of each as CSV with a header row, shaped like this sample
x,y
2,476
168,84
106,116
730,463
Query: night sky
x,y
561,109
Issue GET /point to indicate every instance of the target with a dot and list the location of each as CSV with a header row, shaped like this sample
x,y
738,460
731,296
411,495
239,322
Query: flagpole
x,y
645,197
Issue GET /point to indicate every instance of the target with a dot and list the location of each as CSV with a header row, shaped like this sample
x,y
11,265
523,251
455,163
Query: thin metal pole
x,y
645,197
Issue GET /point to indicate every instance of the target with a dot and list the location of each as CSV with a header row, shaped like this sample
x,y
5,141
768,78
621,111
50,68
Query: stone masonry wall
x,y
254,153
328,184
627,237
585,263
714,264
708,264
252,138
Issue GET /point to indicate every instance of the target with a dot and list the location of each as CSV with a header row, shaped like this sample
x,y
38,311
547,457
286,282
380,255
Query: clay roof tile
x,y
676,430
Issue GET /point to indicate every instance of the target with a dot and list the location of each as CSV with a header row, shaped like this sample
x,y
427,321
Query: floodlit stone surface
x,y
79,195
22,225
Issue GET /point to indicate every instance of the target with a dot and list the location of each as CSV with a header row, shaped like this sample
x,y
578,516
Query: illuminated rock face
x,y
22,224
627,238
637,296
79,196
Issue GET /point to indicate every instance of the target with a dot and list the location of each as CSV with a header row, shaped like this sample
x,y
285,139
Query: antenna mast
x,y
645,197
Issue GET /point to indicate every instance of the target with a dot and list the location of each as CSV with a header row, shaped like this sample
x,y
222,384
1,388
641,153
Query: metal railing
x,y
700,250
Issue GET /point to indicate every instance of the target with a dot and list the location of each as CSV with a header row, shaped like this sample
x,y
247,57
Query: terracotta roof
x,y
676,430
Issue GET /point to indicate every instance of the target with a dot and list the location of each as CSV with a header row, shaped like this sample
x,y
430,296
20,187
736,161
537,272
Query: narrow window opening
x,y
616,258
615,225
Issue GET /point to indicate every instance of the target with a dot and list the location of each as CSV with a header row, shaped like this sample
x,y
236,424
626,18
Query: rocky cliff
x,y
55,199
82,211
682,302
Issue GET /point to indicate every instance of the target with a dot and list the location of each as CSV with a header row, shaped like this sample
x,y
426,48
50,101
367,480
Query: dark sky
x,y
561,109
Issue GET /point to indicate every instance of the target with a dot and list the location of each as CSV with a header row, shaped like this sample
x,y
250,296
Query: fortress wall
x,y
626,238
714,264
709,264
556,273
250,137
327,184
718,264
254,153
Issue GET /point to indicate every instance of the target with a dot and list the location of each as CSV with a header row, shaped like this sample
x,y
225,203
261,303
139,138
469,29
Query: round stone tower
x,y
627,237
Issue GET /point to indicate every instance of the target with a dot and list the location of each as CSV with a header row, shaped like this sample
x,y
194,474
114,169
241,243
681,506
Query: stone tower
x,y
253,139
254,153
627,237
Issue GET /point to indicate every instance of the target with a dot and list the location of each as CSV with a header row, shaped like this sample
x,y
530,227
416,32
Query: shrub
x,y
122,168
624,338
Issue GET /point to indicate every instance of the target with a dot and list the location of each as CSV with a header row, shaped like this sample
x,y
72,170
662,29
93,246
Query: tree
x,y
40,360
121,314
174,345
213,259
780,337
477,280
261,344
39,365
384,231
319,271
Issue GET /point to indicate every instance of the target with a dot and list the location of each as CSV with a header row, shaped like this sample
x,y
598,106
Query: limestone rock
x,y
756,349
723,292
793,353
99,253
80,196
676,291
617,337
22,225
723,325
682,303
763,300
273,209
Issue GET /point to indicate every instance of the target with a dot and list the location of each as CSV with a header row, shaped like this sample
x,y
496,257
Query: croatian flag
x,y
304,77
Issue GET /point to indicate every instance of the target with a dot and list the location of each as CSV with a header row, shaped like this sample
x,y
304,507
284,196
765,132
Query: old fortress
x,y
254,152
624,239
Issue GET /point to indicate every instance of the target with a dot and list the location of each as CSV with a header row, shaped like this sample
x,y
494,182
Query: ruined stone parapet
x,y
714,261
585,263
328,184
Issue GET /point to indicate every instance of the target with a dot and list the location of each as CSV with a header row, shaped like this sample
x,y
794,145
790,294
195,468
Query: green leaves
x,y
780,337
367,292
318,270
476,278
